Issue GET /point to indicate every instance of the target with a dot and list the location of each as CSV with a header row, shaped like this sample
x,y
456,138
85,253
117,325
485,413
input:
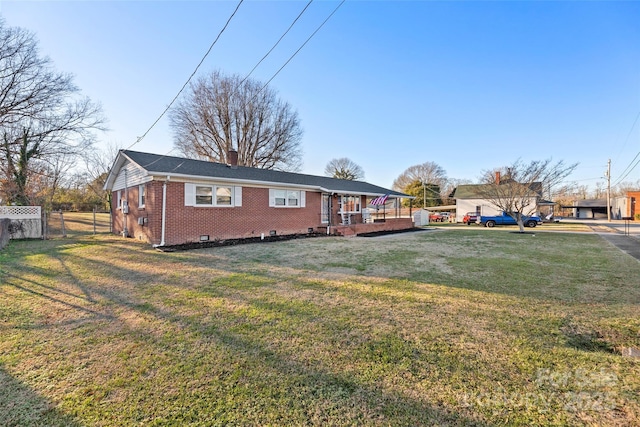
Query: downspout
x,y
125,230
164,212
330,212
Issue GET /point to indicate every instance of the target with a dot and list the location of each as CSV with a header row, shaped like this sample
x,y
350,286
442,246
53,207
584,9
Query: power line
x,y
140,138
634,159
276,44
303,44
585,179
619,180
259,62
627,138
246,102
246,77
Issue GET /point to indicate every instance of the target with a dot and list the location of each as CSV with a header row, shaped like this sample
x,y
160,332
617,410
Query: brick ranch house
x,y
169,201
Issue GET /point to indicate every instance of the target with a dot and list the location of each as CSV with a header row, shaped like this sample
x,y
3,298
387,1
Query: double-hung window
x,y
286,198
280,197
223,196
141,195
204,195
211,195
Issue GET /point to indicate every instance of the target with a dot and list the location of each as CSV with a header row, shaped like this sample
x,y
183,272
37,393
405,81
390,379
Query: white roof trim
x,y
263,183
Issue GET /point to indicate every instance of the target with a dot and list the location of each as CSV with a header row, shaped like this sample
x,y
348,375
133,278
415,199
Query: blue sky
x,y
469,85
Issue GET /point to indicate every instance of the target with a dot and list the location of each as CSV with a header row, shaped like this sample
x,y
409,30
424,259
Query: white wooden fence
x,y
26,221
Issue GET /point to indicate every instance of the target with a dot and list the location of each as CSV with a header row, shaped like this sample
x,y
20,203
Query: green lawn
x,y
447,327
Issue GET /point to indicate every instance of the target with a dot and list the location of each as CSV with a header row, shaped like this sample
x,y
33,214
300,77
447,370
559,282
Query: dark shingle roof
x,y
154,163
589,203
478,191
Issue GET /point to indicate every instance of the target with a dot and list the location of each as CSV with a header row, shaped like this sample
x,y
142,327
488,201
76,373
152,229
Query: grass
x,y
448,327
77,223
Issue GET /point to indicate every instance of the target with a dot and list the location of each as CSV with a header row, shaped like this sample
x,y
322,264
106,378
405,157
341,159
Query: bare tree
x,y
42,120
515,189
622,188
98,162
425,173
344,168
450,186
221,113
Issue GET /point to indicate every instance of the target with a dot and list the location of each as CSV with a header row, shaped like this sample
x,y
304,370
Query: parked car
x,y
470,217
552,218
436,217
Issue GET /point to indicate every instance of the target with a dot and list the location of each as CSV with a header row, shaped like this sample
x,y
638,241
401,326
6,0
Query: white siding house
x,y
467,200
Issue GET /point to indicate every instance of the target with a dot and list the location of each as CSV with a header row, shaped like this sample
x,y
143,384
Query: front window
x,y
281,197
350,204
223,196
293,198
212,195
286,198
204,195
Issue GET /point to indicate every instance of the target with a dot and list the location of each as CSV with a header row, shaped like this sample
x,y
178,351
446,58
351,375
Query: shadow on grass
x,y
298,384
295,385
20,406
309,387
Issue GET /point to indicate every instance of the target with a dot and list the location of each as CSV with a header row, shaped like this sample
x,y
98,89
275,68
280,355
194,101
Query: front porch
x,y
388,224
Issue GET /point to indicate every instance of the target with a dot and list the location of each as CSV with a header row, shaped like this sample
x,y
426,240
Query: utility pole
x,y
609,190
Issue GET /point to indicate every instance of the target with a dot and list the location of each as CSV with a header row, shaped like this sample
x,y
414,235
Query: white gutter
x,y
125,210
207,179
164,211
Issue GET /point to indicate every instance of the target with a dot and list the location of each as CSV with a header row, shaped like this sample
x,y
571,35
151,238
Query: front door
x,y
325,208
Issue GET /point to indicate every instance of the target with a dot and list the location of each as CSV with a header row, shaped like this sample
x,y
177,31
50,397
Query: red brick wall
x,y
388,225
187,223
150,231
254,217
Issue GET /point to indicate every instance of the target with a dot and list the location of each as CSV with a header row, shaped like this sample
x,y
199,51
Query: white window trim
x,y
342,198
324,208
142,195
301,198
190,195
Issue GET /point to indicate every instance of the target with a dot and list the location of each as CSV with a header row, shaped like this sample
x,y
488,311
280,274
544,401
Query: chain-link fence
x,y
63,224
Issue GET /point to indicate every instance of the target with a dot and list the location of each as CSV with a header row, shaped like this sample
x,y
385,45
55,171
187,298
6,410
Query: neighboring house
x,y
469,198
171,201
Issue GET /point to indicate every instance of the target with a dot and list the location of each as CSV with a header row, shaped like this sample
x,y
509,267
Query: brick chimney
x,y
232,158
497,177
